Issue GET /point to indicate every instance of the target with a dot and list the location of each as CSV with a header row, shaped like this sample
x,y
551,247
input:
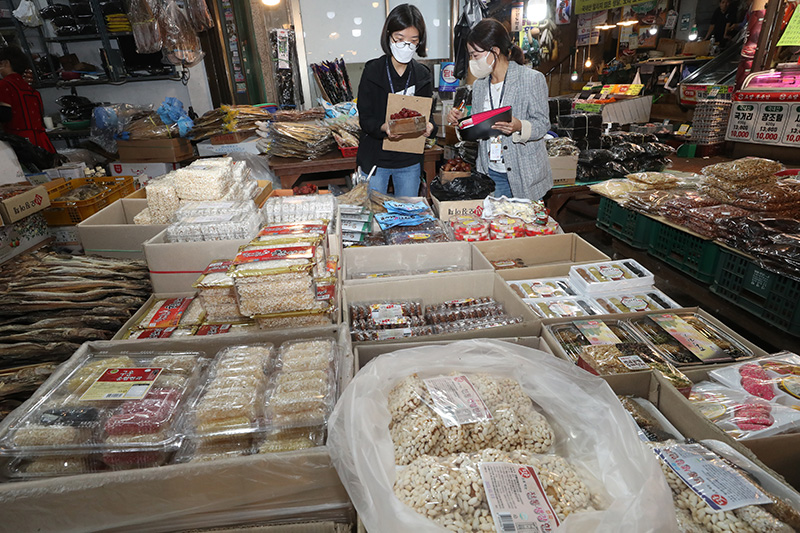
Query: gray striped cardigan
x,y
524,153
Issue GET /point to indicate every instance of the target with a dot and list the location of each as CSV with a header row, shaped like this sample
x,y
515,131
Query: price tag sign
x,y
791,135
742,122
772,119
683,129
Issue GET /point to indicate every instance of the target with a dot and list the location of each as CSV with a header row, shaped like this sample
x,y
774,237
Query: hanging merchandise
x,y
282,44
27,14
181,44
199,15
333,80
470,16
144,24
548,44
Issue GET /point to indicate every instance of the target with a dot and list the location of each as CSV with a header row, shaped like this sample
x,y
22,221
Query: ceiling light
x,y
693,35
270,2
627,22
653,30
606,27
574,76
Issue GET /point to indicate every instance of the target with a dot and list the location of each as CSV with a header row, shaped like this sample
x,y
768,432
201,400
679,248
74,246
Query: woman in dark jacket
x,y
394,72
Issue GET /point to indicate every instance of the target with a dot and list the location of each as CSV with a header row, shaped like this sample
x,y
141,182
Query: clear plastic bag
x,y
743,170
27,14
145,26
574,403
199,15
181,44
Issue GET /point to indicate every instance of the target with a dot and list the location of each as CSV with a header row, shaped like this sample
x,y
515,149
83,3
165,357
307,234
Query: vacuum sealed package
x,y
399,423
775,378
742,415
181,44
743,170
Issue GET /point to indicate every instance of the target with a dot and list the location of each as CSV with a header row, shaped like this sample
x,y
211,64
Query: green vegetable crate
x,y
766,294
689,253
628,226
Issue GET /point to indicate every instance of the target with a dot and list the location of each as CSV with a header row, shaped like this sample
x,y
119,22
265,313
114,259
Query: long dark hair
x,y
490,33
402,17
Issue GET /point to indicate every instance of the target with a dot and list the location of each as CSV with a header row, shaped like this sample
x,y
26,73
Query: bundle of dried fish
x,y
346,132
306,141
24,380
84,192
51,303
291,115
151,127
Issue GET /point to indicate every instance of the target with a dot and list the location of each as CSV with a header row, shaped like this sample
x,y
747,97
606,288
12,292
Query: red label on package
x,y
156,333
517,498
325,290
288,229
221,265
273,254
170,313
213,329
122,384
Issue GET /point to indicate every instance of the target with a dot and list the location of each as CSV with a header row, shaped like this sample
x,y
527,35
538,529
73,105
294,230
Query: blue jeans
x,y
406,180
501,185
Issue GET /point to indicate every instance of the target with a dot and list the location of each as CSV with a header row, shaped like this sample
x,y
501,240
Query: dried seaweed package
x,y
282,44
181,44
144,23
199,16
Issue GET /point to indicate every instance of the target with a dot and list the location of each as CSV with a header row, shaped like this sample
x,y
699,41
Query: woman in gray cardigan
x,y
517,160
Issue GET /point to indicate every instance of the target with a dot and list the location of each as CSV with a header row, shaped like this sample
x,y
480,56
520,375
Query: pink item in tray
x,y
756,381
753,416
148,415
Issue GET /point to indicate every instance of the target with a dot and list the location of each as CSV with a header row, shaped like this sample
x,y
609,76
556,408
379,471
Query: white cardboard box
x,y
111,232
252,489
248,146
419,257
445,287
175,266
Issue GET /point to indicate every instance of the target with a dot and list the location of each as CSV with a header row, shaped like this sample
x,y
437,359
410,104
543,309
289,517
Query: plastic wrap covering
x,y
181,44
199,15
775,378
150,127
649,201
145,25
705,220
743,170
742,415
110,120
601,479
477,186
615,188
677,207
561,147
654,180
306,141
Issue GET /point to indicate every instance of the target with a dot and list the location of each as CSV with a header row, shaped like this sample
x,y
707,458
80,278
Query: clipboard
x,y
407,144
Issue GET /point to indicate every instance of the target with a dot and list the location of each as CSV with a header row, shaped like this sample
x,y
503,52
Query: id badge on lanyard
x,y
496,149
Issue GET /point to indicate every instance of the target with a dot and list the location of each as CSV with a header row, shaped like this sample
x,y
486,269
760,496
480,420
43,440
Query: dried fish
x,y
22,380
30,352
84,192
21,325
82,296
57,335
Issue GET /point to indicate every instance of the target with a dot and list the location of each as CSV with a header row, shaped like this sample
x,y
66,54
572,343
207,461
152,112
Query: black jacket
x,y
373,91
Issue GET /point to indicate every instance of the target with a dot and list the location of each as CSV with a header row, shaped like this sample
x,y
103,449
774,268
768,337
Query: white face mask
x,y
402,52
481,68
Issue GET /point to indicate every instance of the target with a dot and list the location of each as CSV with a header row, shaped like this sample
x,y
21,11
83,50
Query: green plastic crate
x,y
766,294
628,226
689,253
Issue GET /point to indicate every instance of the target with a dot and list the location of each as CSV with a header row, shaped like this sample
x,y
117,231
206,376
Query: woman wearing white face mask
x,y
394,72
517,160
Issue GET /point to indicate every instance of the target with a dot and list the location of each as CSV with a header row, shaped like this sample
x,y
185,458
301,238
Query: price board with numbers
x,y
742,121
771,122
791,135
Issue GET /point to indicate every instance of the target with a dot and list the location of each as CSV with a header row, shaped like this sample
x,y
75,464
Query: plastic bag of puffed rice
x,y
591,430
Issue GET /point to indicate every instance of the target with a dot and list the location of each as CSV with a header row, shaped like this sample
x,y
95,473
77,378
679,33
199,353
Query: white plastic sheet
x,y
593,432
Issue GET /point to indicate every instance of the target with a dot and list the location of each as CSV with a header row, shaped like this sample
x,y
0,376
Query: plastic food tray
x,y
610,276
572,340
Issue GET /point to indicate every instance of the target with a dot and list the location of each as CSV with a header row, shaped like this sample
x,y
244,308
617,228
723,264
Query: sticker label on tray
x,y
505,264
213,329
325,289
459,303
597,332
272,254
156,333
717,483
357,227
634,303
170,313
384,314
456,401
542,290
517,498
122,384
564,309
396,333
218,266
633,362
689,337
612,272
791,386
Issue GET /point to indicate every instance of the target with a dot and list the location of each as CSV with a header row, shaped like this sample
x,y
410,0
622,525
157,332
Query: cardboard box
x,y
248,146
155,150
68,171
688,420
24,204
444,287
364,353
564,168
253,489
140,170
21,236
420,257
175,266
543,250
111,232
556,348
447,210
780,452
696,48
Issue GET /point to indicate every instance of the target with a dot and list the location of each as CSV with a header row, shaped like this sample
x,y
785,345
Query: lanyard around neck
x,y
408,80
502,91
